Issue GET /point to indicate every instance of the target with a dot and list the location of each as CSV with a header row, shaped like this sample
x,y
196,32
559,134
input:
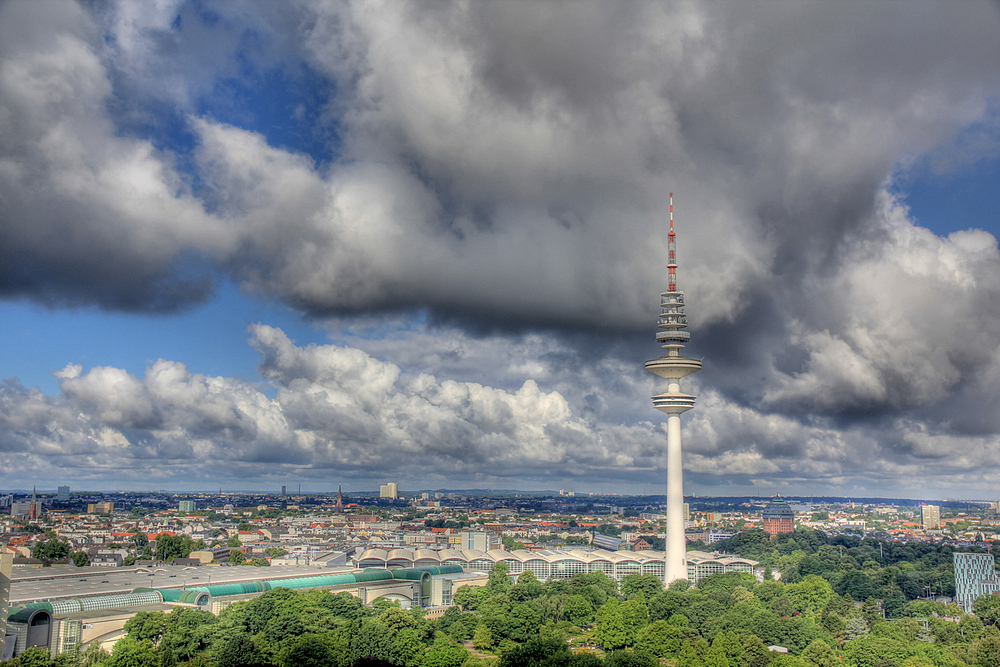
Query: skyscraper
x,y
672,366
930,517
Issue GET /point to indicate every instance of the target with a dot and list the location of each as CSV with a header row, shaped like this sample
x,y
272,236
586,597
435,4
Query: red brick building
x,y
778,517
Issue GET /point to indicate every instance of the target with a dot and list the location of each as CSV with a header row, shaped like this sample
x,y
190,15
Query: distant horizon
x,y
805,499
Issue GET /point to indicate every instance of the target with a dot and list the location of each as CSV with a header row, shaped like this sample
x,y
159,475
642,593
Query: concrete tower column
x,y
676,546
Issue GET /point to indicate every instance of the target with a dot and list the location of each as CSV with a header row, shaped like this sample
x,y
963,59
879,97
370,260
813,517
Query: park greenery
x,y
839,602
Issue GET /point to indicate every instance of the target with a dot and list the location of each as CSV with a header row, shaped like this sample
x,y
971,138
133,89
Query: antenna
x,y
672,251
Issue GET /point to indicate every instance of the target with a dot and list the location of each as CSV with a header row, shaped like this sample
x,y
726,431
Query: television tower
x,y
672,366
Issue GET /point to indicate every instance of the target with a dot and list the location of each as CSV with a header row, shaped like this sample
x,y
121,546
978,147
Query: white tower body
x,y
672,366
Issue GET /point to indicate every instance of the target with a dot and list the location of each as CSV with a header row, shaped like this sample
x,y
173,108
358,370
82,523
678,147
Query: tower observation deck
x,y
673,366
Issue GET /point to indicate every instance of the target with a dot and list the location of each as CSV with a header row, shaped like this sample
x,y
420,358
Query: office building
x,y
975,576
20,511
186,506
930,517
390,490
62,493
778,517
6,573
672,367
100,508
481,541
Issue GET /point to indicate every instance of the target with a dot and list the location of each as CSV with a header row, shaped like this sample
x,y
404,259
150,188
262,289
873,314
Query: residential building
x,y
930,517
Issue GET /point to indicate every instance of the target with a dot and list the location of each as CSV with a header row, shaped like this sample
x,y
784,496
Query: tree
x,y
630,659
169,547
373,641
820,654
410,643
147,625
309,650
256,561
236,650
856,627
498,581
237,557
577,609
52,549
537,652
609,626
636,615
32,657
466,597
130,652
482,638
234,542
444,653
649,584
660,639
987,651
80,558
987,608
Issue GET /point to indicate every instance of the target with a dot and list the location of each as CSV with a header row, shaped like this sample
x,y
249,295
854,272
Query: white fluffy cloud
x,y
337,411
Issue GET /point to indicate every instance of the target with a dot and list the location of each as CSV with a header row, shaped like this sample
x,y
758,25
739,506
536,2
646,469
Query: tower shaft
x,y
676,546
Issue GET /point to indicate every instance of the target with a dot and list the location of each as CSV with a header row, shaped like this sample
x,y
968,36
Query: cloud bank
x,y
503,169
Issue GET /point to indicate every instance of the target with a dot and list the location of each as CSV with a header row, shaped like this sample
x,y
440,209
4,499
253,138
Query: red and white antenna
x,y
672,251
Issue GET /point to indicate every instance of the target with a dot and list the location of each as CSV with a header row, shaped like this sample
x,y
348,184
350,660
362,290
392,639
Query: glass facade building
x,y
975,576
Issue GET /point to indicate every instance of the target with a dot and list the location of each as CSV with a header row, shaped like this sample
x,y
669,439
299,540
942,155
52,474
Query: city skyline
x,y
264,244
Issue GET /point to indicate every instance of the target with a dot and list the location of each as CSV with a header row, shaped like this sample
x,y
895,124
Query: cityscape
x,y
330,330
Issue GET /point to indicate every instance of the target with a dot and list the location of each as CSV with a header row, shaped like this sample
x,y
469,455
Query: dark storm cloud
x,y
505,167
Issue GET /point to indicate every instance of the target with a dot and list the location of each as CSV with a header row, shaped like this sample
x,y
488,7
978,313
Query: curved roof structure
x,y
557,563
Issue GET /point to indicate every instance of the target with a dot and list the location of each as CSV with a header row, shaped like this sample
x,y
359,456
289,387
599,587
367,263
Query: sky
x,y
253,244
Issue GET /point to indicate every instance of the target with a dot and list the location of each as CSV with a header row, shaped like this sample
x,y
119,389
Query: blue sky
x,y
256,244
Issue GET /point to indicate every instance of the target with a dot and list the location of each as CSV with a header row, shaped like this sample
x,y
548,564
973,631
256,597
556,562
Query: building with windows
x,y
62,493
100,508
186,506
930,517
557,563
390,490
64,620
778,517
975,576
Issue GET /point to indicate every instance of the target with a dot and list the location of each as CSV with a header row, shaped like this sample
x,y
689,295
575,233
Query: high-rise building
x,y
778,517
6,572
930,517
975,576
672,366
389,490
186,506
283,489
62,493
